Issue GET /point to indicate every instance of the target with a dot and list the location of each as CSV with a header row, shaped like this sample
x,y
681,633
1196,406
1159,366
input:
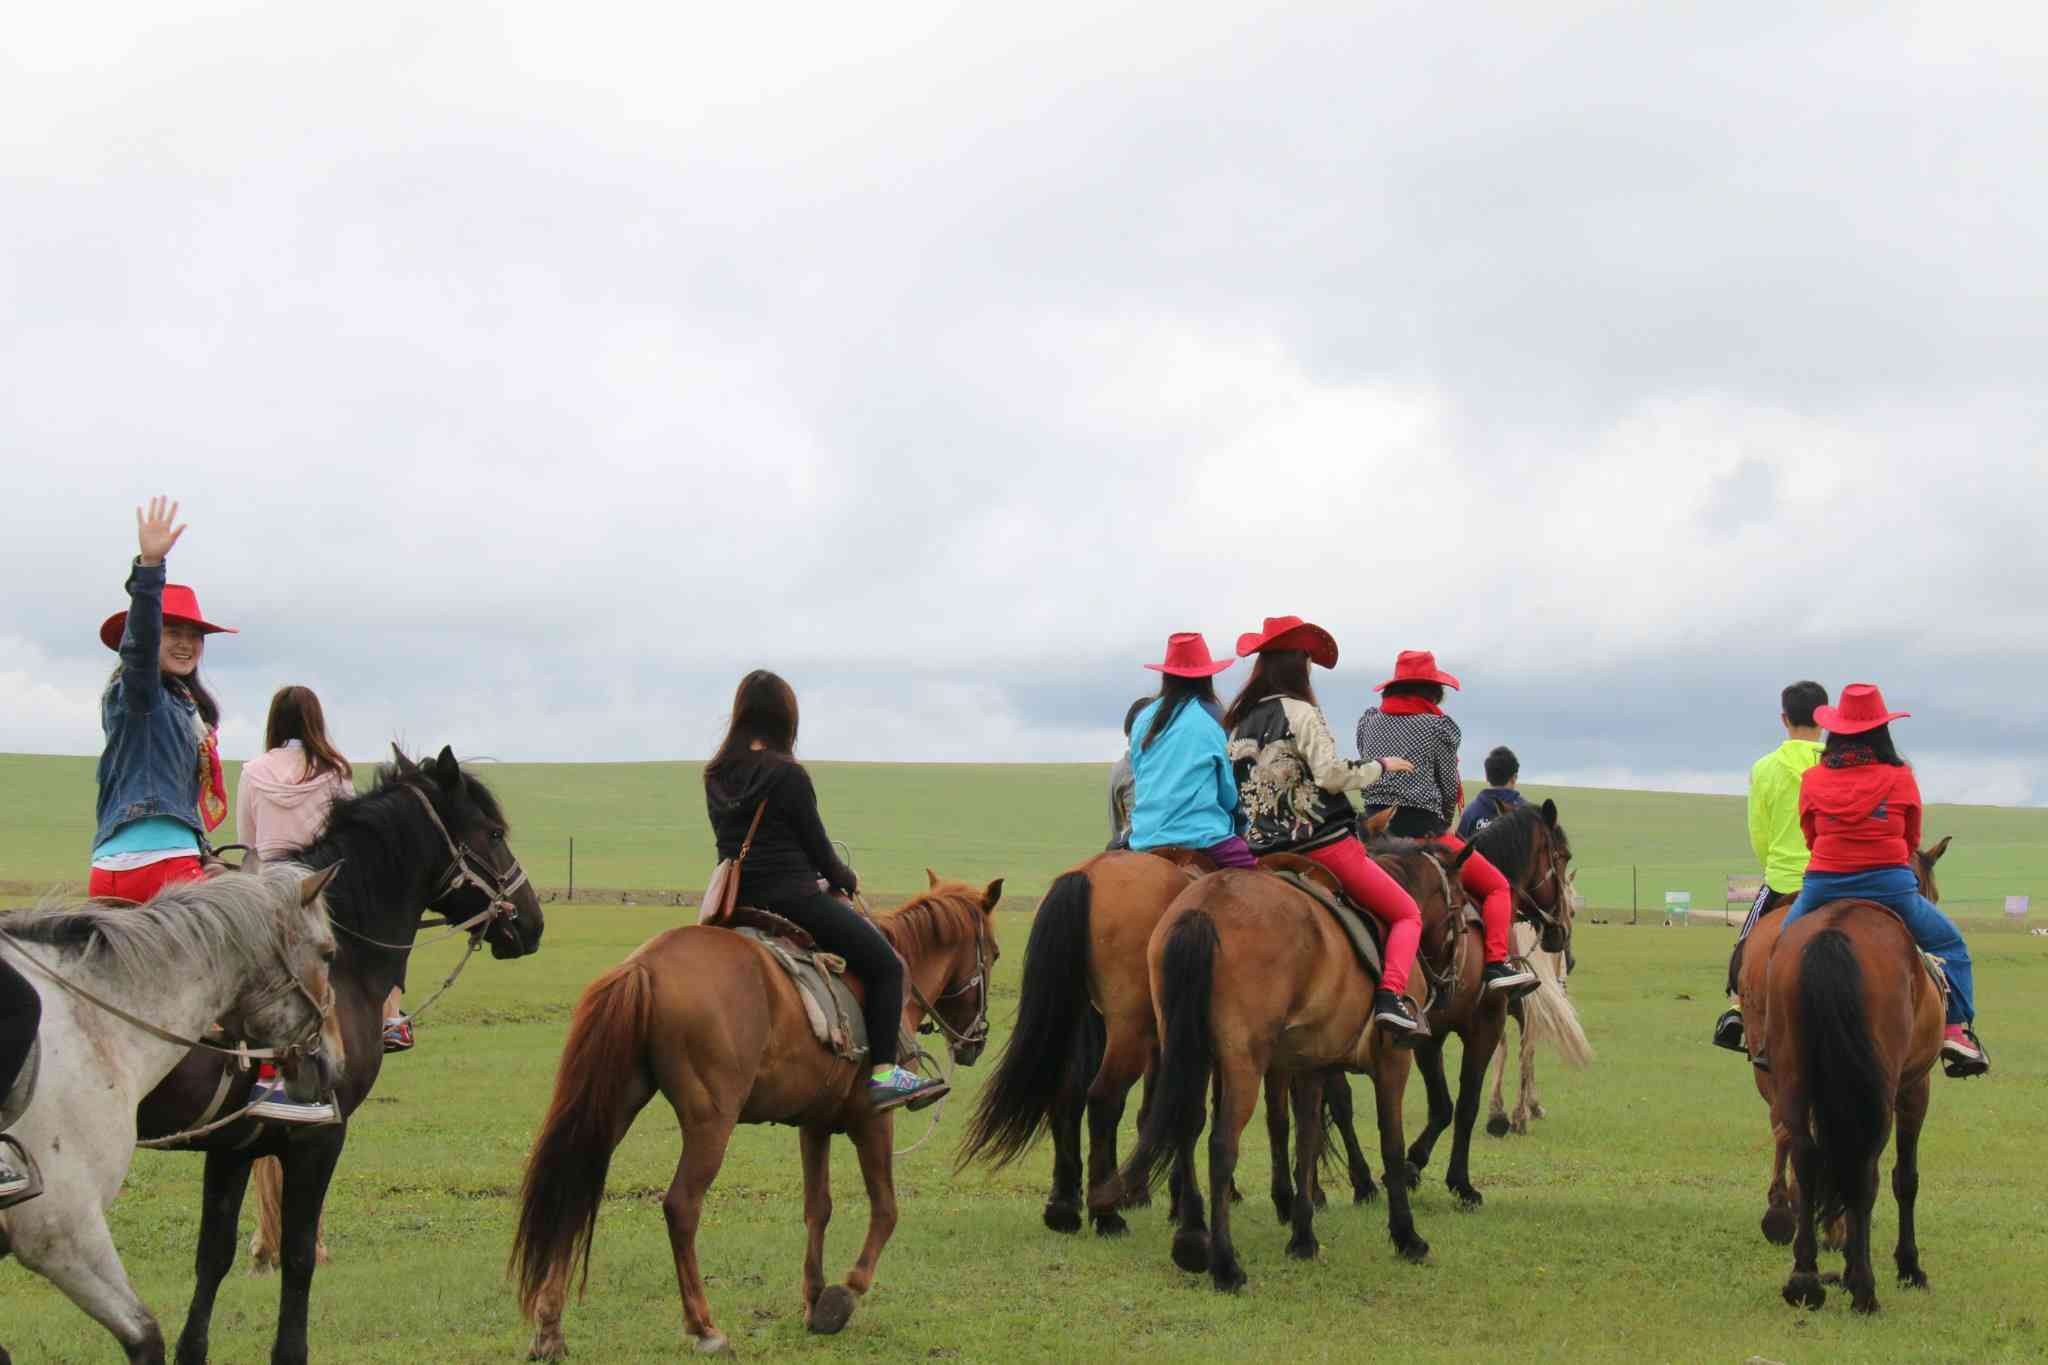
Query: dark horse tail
x,y
1054,1050
599,1088
1187,977
1848,1097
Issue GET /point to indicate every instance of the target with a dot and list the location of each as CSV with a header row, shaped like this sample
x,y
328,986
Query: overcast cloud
x,y
528,371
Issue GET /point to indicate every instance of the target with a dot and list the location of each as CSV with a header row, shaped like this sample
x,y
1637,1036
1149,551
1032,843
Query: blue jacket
x,y
1186,796
1494,801
151,763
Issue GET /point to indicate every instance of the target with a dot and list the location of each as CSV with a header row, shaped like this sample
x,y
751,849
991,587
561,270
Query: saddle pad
x,y
1934,969
1364,940
834,1014
16,1101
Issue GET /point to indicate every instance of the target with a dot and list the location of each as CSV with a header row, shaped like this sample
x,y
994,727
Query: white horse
x,y
1547,1016
249,951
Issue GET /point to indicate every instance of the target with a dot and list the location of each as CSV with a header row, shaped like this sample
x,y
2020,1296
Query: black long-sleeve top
x,y
791,850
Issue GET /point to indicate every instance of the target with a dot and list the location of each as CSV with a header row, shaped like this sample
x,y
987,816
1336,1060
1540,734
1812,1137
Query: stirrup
x,y
31,1183
1728,1031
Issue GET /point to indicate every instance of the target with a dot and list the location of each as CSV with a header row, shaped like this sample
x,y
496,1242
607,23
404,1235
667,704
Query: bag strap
x,y
748,842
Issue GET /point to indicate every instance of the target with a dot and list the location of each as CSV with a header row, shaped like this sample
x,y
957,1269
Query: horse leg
x,y
1779,1216
1525,1101
703,1153
1804,1289
1237,1094
1389,1080
1063,1204
1429,1058
1307,1095
873,1140
1343,1117
548,1306
1479,1045
1107,1094
63,1237
1278,1099
1906,1180
220,1210
1857,1276
1191,1236
1141,1198
1497,1110
816,1145
308,1167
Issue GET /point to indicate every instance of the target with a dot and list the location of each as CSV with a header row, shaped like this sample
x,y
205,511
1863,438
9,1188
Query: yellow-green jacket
x,y
1774,813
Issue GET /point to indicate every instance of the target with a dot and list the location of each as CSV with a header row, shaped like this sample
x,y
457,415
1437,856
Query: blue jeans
x,y
1898,890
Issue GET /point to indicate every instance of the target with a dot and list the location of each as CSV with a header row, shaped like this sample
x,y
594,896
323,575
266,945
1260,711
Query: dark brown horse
x,y
427,836
1250,976
1780,1201
705,1018
1853,1031
1084,1033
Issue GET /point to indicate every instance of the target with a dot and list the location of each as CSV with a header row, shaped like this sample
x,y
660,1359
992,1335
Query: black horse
x,y
427,837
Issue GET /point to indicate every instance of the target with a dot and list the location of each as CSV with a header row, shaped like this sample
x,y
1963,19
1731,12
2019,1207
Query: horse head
x,y
957,927
1924,860
483,874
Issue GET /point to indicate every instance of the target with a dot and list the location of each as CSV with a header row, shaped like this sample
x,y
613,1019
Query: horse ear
x,y
406,767
1376,825
1550,812
931,877
446,770
1933,855
311,887
992,895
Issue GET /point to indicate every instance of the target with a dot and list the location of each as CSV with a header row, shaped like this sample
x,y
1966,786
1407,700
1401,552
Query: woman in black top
x,y
792,870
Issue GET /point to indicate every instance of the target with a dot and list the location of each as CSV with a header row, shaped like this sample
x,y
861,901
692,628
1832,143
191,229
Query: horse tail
x,y
1548,1015
1187,978
599,1087
1846,1088
1049,1048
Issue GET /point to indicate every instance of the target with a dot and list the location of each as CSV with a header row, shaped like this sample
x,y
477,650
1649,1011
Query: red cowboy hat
x,y
1862,709
1187,656
180,604
1417,665
1290,632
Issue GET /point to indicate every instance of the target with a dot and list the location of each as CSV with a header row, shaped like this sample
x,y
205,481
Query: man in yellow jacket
x,y
1774,832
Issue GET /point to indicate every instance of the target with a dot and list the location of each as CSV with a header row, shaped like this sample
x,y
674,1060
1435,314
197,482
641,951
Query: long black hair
x,y
1431,692
1278,673
1176,692
763,709
1878,743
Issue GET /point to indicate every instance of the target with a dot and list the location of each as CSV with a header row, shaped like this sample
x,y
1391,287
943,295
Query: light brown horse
x,y
1754,971
705,1017
1249,975
1084,1033
1854,1029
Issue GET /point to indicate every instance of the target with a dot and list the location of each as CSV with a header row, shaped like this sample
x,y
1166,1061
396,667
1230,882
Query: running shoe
x,y
398,1034
1961,1053
892,1086
269,1101
1512,976
15,1178
1728,1031
1396,1014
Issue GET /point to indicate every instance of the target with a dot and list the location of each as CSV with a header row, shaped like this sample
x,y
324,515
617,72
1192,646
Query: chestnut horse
x,y
1250,975
1854,1030
1084,1033
1753,976
705,1017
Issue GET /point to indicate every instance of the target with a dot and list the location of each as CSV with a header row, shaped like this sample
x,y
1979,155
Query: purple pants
x,y
1232,852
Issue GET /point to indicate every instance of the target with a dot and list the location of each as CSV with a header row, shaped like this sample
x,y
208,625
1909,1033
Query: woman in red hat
x,y
1410,721
1186,795
1292,783
1860,810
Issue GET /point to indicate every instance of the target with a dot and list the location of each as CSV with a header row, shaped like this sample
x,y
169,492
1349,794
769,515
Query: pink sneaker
x,y
1961,1053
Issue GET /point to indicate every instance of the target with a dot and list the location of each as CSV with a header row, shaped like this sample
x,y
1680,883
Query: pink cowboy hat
x,y
180,604
1187,656
1862,709
1290,632
1417,665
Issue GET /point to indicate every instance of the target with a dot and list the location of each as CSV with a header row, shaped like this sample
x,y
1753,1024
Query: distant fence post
x,y
572,867
1631,894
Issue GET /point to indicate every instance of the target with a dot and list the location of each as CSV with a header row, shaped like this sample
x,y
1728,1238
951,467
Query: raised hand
x,y
154,530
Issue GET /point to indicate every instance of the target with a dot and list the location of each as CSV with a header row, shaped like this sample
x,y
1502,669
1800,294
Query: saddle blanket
x,y
835,1015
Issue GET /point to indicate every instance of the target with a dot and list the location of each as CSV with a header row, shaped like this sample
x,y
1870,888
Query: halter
x,y
976,1033
464,869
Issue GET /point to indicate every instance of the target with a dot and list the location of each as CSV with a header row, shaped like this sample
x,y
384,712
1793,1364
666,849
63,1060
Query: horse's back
x,y
1900,1001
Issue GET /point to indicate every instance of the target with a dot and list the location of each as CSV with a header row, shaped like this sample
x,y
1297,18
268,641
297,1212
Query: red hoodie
x,y
1860,817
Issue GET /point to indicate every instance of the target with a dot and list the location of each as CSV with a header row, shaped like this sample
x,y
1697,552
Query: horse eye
x,y
497,836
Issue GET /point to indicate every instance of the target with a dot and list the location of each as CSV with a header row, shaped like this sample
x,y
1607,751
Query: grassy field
x,y
641,826
1623,1229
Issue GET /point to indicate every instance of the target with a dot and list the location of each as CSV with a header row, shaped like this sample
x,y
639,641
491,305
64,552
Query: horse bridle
x,y
976,1033
466,870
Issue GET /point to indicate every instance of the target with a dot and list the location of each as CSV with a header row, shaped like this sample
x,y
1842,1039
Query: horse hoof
x,y
1411,1173
1863,1303
1537,1111
1804,1291
1414,1250
1468,1198
1110,1225
1497,1126
1140,1198
1778,1223
259,1268
714,1344
1063,1217
548,1347
1283,1205
1303,1248
1322,1199
1228,1277
831,1311
1191,1250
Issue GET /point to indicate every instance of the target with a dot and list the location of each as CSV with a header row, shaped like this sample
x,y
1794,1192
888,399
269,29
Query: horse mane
x,y
1508,841
229,920
934,918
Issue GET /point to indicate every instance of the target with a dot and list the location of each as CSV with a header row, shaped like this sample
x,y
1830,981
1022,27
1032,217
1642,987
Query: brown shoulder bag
x,y
722,894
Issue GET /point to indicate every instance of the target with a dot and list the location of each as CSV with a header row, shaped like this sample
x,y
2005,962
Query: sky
x,y
528,372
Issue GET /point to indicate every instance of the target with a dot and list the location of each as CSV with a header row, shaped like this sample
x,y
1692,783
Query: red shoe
x,y
398,1034
1961,1053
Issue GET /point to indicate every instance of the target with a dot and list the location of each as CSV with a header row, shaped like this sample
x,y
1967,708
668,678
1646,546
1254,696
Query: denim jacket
x,y
151,763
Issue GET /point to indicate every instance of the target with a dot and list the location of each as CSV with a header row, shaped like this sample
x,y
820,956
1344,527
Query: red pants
x,y
1482,882
1366,882
138,884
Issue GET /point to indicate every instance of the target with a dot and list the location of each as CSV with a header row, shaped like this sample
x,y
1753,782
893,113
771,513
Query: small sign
x,y
1675,898
2016,907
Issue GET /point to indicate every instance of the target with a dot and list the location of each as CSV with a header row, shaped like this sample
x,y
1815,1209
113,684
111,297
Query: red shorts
x,y
138,884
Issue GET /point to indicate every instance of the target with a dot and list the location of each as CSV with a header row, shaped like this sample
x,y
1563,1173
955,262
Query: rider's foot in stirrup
x,y
269,1101
14,1176
1394,1013
1728,1030
398,1034
1512,976
890,1086
1961,1053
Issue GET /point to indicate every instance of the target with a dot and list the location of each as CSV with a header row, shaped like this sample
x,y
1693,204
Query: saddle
x,y
1193,861
819,977
1362,929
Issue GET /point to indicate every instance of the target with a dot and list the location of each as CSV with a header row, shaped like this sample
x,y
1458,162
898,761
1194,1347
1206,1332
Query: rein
x,y
976,1032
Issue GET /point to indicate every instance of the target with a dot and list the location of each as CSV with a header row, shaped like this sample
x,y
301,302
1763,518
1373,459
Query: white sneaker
x,y
12,1181
269,1101
17,1175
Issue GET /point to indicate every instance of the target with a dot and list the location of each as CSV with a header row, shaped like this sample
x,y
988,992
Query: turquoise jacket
x,y
1186,796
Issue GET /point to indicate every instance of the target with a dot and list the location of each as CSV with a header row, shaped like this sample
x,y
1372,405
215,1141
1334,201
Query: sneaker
x,y
16,1176
894,1086
269,1101
1397,1015
1961,1053
1728,1031
1513,977
398,1034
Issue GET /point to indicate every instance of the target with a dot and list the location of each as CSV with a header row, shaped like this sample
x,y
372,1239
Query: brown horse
x,y
1084,1033
706,1018
1752,978
1854,1029
1250,976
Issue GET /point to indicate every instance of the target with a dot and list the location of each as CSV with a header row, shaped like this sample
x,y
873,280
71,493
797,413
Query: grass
x,y
641,826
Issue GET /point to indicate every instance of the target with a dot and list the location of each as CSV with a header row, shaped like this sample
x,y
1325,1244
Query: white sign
x,y
2016,907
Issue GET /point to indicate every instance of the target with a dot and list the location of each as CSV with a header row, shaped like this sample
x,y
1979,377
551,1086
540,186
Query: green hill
x,y
641,826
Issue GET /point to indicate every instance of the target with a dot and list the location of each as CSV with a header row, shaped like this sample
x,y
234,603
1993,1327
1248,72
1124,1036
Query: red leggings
x,y
138,884
1482,882
1366,882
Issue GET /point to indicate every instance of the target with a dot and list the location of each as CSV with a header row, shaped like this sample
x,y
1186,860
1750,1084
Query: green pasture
x,y
1623,1229
641,827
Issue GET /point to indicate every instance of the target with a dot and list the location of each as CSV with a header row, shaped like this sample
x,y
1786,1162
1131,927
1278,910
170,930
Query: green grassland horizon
x,y
641,827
